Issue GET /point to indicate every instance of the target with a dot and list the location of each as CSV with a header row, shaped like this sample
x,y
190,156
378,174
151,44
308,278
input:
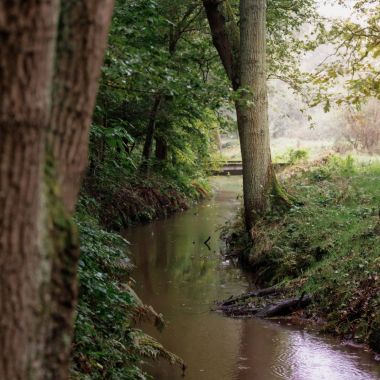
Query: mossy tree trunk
x,y
50,58
243,54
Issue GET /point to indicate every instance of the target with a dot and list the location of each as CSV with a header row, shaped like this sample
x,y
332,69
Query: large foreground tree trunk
x,y
27,35
44,121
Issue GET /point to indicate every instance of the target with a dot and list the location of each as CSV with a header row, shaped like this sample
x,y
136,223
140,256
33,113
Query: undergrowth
x,y
108,343
119,201
328,247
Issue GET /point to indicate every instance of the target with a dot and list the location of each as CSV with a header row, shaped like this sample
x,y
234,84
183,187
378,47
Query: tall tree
x,y
243,54
44,121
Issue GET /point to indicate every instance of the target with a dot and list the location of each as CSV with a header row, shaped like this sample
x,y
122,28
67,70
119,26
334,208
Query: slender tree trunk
x,y
161,148
151,129
218,139
43,148
252,111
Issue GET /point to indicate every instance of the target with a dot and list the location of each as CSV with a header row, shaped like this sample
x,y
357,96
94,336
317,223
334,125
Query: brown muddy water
x,y
181,278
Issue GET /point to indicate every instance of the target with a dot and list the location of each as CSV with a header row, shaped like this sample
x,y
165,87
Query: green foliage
x,y
107,343
352,66
293,156
158,48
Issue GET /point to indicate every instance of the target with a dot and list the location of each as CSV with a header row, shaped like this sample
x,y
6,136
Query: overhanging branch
x,y
225,36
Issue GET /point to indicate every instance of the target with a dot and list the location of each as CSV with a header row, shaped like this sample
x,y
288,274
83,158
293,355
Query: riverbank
x,y
328,248
134,200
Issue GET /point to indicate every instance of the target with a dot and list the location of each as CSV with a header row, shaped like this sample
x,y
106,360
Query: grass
x,y
329,246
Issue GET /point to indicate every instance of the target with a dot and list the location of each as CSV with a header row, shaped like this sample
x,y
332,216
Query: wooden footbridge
x,y
236,168
230,168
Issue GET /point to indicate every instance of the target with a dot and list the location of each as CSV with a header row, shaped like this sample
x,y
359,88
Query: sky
x,y
334,10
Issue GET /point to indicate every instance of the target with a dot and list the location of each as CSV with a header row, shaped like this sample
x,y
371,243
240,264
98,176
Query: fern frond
x,y
150,348
144,313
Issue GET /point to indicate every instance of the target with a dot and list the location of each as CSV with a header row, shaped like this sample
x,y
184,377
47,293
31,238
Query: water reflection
x,y
180,277
268,351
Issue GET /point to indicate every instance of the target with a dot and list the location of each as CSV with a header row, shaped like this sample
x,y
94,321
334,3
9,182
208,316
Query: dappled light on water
x,y
270,351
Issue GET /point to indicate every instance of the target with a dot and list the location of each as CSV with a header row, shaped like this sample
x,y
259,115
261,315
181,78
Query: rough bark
x,y
80,49
81,43
225,37
42,155
27,35
252,111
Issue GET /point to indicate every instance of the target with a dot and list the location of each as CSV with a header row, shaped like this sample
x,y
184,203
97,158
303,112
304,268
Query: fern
x,y
107,343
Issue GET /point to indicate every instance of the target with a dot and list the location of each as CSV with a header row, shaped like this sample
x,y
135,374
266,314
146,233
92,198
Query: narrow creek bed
x,y
182,278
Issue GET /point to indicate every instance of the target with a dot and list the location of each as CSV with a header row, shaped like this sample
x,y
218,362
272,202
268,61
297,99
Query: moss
x,y
62,229
57,269
281,199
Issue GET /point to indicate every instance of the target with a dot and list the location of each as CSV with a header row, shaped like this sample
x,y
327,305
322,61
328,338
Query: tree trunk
x,y
218,139
252,111
244,58
43,149
161,148
27,35
80,49
151,129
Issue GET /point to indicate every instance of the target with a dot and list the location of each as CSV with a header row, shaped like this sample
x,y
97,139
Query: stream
x,y
182,278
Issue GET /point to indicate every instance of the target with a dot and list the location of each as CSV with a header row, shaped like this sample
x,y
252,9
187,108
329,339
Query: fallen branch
x,y
285,307
206,243
207,240
281,308
257,293
239,310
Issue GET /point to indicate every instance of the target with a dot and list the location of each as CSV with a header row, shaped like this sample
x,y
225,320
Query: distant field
x,y
231,147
